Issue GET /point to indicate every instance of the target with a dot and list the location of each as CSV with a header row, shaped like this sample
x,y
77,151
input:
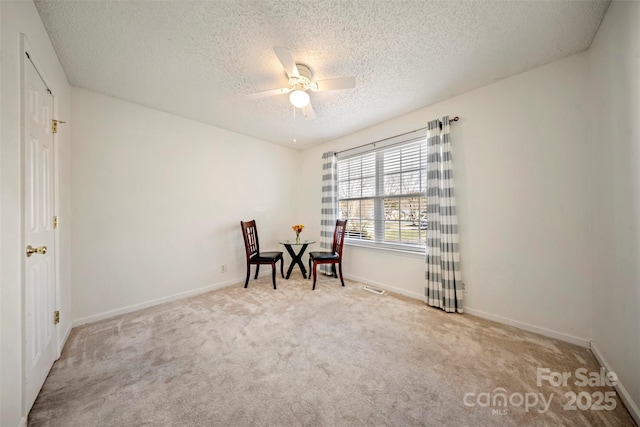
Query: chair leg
x,y
333,270
315,273
257,269
246,282
340,269
273,274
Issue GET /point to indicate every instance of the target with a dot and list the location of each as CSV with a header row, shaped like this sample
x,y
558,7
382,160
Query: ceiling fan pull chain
x,y
295,125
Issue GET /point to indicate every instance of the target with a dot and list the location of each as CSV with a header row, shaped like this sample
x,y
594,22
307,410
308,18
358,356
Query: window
x,y
382,192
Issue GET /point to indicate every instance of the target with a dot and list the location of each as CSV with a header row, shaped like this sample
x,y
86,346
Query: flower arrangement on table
x,y
298,229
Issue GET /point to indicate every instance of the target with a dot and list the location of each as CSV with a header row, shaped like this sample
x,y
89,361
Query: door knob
x,y
41,250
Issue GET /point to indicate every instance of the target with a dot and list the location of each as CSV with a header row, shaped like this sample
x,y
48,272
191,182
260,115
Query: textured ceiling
x,y
199,59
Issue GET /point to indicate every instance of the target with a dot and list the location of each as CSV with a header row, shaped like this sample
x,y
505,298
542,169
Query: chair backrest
x,y
250,235
338,236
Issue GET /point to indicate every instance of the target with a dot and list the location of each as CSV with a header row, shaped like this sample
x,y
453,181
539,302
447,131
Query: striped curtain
x,y
444,279
329,212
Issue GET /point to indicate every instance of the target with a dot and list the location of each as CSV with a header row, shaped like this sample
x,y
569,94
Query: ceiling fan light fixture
x,y
299,98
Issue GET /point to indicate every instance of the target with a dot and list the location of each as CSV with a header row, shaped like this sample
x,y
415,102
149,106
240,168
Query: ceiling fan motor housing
x,y
303,82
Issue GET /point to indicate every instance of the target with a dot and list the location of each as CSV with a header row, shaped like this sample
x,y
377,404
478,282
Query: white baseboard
x,y
63,341
631,406
385,287
582,342
140,306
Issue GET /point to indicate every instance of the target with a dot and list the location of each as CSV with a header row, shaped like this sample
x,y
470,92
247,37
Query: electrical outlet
x,y
223,268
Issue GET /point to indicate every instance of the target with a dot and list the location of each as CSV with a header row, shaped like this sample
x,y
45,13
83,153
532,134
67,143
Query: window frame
x,y
416,140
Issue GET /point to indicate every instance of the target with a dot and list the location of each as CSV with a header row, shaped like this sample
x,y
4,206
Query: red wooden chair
x,y
254,256
334,257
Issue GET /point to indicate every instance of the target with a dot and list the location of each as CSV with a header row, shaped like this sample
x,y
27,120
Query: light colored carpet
x,y
295,357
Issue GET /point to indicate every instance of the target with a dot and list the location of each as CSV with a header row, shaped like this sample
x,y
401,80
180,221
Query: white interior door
x,y
39,264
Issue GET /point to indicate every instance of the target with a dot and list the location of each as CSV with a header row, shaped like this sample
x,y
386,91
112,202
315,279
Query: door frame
x,y
25,48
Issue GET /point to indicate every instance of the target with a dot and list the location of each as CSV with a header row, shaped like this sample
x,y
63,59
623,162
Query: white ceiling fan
x,y
300,82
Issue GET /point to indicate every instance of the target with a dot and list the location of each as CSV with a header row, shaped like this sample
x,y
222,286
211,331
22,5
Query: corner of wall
x,y
614,61
626,398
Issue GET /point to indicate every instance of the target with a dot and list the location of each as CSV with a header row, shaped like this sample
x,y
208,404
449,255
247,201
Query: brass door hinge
x,y
56,222
54,125
56,317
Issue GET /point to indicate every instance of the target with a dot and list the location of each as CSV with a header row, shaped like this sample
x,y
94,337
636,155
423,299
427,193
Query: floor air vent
x,y
373,290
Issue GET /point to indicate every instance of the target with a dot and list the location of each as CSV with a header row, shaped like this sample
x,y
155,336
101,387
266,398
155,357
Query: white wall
x,y
521,167
22,17
157,203
615,154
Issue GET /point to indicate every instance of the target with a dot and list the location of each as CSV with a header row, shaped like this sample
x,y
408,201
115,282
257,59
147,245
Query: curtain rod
x,y
455,119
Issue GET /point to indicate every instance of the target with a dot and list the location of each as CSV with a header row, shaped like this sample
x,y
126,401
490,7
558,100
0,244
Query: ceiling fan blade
x,y
308,112
331,84
270,92
286,59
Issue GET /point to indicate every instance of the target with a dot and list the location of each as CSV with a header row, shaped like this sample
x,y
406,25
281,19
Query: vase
x,y
297,237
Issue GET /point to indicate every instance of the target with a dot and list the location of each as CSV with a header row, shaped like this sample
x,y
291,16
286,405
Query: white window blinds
x,y
382,192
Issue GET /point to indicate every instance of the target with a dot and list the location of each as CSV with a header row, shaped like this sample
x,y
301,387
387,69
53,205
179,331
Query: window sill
x,y
420,253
